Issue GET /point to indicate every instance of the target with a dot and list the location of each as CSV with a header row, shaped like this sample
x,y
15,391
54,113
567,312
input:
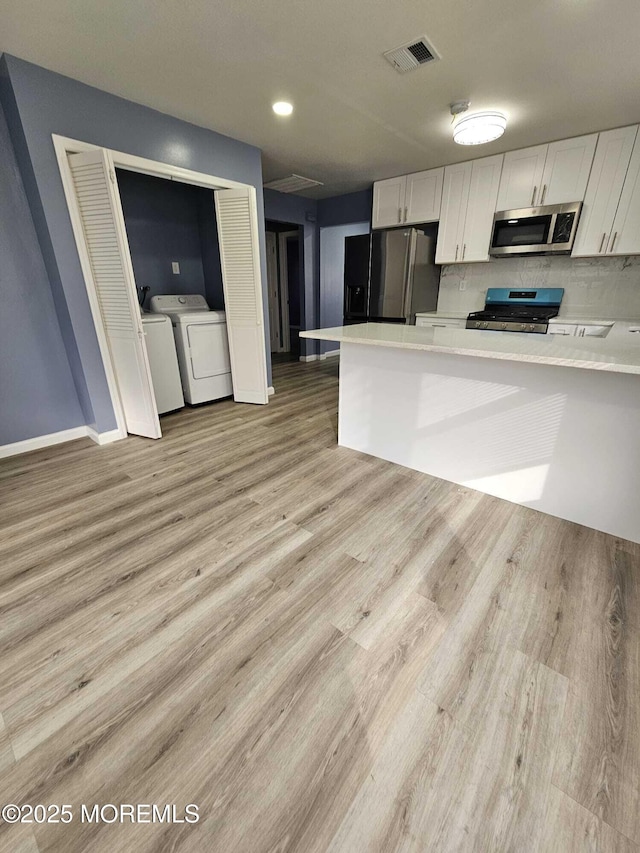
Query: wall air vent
x,y
411,55
292,184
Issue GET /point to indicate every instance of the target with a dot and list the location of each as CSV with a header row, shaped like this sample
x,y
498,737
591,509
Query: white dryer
x,y
202,346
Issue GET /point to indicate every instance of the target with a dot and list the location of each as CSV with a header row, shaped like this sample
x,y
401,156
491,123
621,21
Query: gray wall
x,y
38,103
593,287
163,222
36,386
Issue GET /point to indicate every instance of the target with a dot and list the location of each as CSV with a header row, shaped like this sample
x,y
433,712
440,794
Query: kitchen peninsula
x,y
547,422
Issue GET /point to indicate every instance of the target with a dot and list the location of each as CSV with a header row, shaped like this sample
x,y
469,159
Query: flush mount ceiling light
x,y
283,108
476,128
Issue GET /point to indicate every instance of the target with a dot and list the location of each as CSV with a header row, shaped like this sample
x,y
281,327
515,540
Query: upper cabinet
x,y
547,174
611,205
468,204
521,178
407,200
388,202
423,197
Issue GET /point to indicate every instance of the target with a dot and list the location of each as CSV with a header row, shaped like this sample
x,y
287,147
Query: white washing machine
x,y
163,361
202,346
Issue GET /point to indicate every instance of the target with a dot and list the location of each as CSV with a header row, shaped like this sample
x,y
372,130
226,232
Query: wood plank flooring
x,y
323,651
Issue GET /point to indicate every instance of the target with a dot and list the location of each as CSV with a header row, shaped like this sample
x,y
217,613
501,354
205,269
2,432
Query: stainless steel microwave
x,y
546,230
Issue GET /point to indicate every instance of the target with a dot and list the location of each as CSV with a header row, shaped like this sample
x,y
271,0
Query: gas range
x,y
526,311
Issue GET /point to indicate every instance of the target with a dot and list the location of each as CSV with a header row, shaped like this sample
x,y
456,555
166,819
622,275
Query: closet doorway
x,y
91,187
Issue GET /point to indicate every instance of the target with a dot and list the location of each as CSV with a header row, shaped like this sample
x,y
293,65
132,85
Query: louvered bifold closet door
x,y
240,257
106,243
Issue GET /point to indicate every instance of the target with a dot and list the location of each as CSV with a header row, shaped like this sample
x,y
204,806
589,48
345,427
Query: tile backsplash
x,y
593,287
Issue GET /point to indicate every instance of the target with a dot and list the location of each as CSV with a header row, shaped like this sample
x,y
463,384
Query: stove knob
x,y
503,326
478,325
531,327
485,325
523,326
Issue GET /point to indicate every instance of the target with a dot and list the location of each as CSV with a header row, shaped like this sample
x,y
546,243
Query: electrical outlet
x,y
462,285
175,267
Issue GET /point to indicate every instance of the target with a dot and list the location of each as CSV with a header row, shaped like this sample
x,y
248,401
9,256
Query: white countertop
x,y
619,353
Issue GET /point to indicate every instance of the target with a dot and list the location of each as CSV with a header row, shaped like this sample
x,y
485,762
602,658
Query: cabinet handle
x,y
533,197
544,192
405,213
602,242
456,257
399,216
613,242
464,250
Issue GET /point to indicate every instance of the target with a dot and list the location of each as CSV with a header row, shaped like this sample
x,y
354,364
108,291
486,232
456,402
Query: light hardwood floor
x,y
323,651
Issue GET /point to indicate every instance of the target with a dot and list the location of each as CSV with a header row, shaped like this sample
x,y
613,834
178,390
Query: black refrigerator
x,y
390,275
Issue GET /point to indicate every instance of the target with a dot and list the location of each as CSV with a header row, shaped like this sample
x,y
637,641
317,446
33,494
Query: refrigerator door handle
x,y
409,268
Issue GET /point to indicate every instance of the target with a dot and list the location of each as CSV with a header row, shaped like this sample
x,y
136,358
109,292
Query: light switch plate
x,y
175,267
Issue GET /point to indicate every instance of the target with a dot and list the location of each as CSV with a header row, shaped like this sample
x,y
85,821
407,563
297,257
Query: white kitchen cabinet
x,y
588,330
625,239
481,205
468,204
388,202
604,190
455,197
547,174
521,179
561,329
441,322
566,170
423,197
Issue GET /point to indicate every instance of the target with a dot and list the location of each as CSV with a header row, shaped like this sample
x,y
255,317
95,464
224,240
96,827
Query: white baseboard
x,y
309,357
105,437
41,441
271,391
330,354
52,438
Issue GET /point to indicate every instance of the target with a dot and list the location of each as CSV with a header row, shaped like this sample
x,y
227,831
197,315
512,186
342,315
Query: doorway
x,y
284,288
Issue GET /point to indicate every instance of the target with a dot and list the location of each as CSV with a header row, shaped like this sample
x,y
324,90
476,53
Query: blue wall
x,y
163,222
38,103
36,386
344,209
332,275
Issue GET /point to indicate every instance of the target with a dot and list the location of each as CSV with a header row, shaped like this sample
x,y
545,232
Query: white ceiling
x,y
558,68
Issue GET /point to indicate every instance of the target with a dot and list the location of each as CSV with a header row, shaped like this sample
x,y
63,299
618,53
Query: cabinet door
x,y
566,170
423,196
481,205
455,195
521,182
625,239
608,172
388,202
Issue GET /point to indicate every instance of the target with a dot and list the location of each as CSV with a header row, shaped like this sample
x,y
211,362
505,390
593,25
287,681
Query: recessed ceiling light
x,y
283,108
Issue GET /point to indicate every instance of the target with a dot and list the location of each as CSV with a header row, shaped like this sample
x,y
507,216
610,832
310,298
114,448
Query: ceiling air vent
x,y
411,55
293,184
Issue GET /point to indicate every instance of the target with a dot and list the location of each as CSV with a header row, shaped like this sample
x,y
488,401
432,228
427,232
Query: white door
x,y
388,202
272,290
455,195
241,280
566,169
625,239
106,244
521,182
604,189
483,192
423,196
